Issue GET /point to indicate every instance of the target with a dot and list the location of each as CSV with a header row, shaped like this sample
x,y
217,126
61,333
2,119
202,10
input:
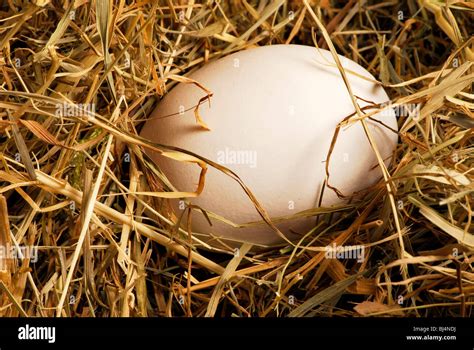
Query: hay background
x,y
102,256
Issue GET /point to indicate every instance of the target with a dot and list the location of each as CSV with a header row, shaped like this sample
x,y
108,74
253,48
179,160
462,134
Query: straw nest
x,y
77,186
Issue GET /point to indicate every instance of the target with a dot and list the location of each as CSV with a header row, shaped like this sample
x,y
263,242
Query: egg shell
x,y
272,116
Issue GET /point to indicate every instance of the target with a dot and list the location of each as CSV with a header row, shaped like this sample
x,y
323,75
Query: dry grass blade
x,y
22,149
224,278
12,298
104,25
368,308
334,291
40,132
462,236
5,243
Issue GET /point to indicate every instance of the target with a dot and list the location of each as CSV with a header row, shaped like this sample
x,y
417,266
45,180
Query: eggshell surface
x,y
272,117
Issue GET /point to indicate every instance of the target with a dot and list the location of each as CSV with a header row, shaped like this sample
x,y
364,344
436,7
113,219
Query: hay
x,y
78,186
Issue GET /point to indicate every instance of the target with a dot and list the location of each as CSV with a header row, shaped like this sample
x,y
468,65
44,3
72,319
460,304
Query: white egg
x,y
272,116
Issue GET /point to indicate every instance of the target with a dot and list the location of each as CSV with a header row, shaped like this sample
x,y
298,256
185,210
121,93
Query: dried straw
x,y
80,188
